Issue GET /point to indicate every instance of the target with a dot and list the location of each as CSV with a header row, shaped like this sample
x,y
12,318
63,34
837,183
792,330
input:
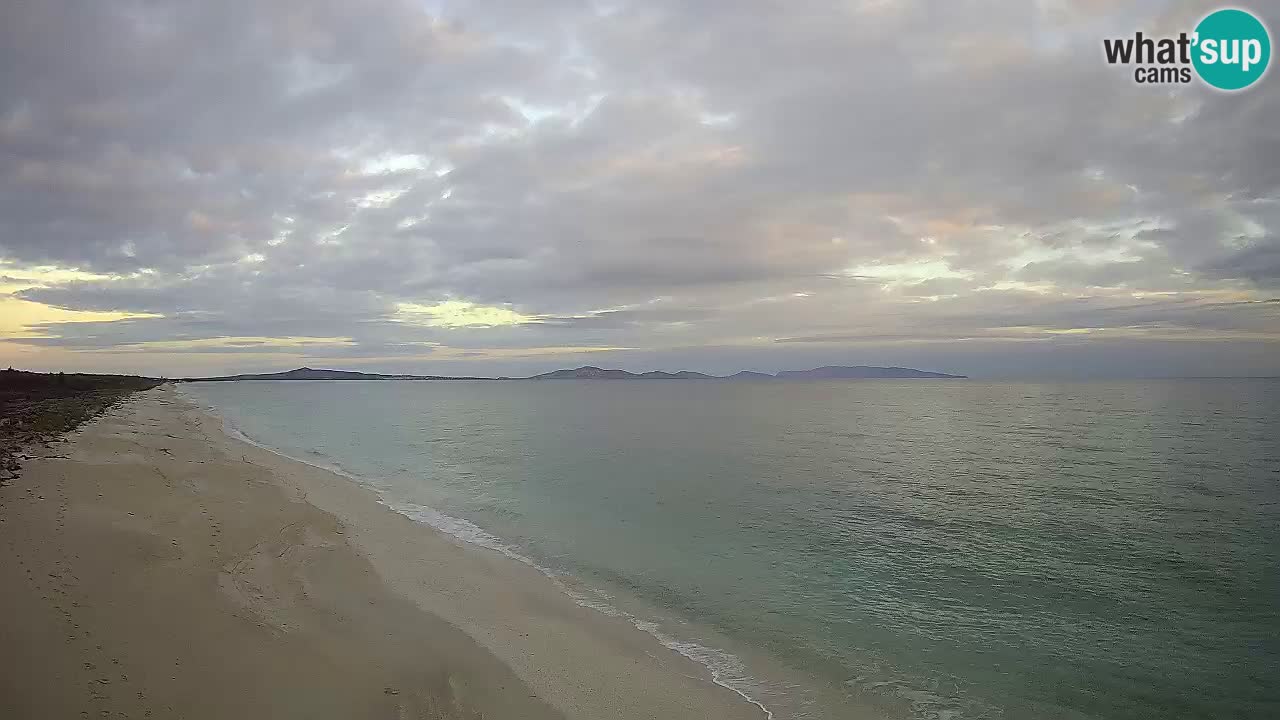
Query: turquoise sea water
x,y
927,549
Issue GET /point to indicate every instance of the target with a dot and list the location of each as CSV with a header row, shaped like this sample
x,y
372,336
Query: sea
x,y
923,549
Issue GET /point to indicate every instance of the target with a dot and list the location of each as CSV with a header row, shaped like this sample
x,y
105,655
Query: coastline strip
x,y
724,668
159,567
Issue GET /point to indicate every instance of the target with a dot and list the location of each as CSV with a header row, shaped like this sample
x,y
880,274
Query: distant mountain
x,y
590,372
586,372
830,372
836,372
682,375
306,373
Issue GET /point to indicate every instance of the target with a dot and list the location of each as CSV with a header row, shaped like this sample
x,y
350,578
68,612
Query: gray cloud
x,y
701,182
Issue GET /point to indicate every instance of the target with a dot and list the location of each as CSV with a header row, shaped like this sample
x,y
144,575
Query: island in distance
x,y
829,372
588,372
306,373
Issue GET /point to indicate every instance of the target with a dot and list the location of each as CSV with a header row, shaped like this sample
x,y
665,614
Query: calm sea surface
x,y
927,549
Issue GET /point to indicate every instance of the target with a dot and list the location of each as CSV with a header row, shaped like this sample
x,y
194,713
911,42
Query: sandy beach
x,y
156,567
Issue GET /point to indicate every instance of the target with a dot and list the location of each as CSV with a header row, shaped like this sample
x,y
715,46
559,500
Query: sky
x,y
193,188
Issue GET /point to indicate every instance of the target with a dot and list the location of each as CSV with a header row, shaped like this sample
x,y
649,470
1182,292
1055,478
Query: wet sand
x,y
155,567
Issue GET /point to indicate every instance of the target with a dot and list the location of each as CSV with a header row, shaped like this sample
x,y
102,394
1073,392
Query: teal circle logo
x,y
1232,49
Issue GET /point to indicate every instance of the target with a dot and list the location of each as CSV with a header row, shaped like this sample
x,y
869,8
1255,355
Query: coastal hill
x,y
829,372
750,375
590,372
835,372
306,373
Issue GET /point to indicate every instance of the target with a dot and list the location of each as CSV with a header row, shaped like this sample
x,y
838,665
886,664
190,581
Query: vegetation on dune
x,y
38,407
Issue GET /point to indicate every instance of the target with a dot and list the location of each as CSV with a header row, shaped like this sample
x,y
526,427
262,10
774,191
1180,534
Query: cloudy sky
x,y
496,187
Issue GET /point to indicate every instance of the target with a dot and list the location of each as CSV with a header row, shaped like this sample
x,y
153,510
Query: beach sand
x,y
156,567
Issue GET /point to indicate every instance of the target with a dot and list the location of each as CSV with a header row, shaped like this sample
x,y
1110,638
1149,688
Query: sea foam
x,y
726,669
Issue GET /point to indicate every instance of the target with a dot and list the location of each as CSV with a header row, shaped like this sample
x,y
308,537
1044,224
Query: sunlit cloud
x,y
907,273
391,162
381,198
515,353
235,343
14,277
1038,288
461,314
23,319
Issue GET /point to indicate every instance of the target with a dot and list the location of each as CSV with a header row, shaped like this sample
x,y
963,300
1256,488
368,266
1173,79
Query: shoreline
x,y
207,606
721,666
473,538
